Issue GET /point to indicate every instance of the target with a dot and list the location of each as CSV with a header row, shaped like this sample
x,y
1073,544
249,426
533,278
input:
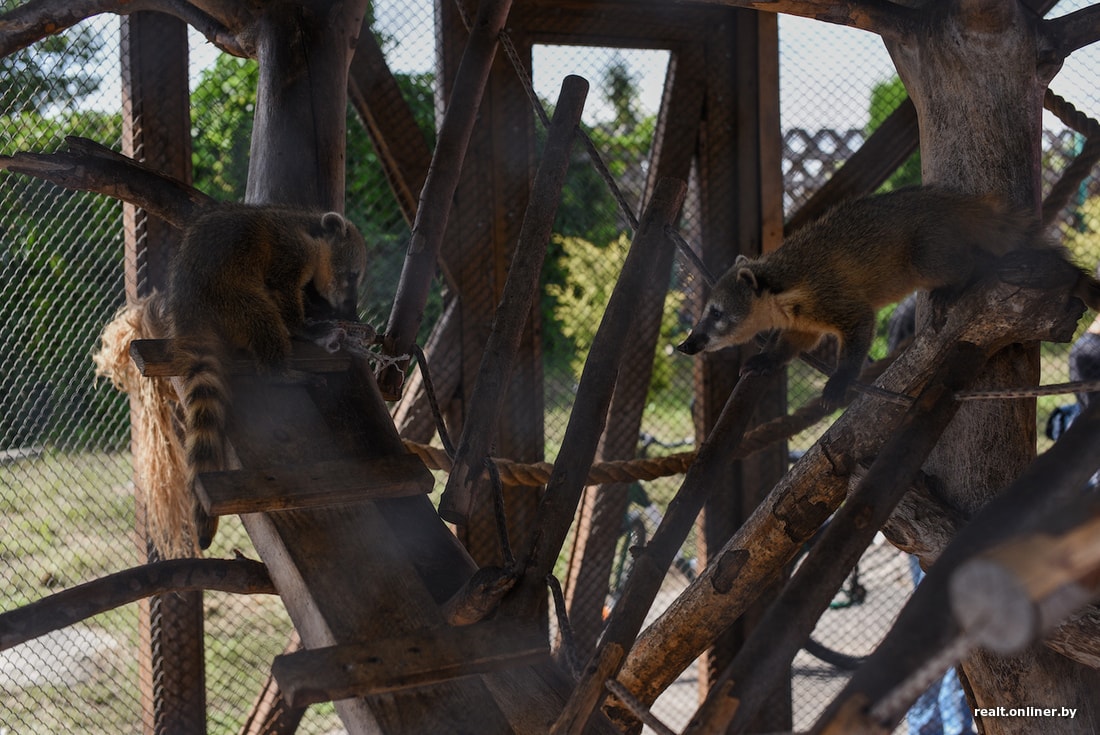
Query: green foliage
x,y
51,75
61,258
372,206
885,98
590,275
588,211
1080,237
222,113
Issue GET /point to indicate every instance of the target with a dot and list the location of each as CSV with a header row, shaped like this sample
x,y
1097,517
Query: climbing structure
x,y
337,510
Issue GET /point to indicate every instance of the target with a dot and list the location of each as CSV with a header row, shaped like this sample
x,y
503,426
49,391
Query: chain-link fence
x,y
67,498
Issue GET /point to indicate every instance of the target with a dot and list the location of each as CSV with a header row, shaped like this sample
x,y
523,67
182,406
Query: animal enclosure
x,y
65,477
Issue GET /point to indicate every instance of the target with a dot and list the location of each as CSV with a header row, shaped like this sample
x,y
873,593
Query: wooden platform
x,y
363,577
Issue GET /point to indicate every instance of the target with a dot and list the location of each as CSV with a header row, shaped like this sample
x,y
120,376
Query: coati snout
x,y
694,344
730,316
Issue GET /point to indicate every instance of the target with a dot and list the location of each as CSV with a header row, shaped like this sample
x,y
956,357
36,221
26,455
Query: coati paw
x,y
835,392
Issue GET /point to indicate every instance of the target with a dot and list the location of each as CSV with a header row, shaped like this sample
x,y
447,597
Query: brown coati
x,y
237,283
830,276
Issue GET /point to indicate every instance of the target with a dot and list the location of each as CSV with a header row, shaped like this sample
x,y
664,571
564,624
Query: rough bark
x,y
815,486
977,71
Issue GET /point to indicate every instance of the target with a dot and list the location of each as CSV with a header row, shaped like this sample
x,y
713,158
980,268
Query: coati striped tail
x,y
206,399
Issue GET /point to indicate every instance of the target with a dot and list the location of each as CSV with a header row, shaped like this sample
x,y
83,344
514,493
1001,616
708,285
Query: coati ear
x,y
746,276
334,223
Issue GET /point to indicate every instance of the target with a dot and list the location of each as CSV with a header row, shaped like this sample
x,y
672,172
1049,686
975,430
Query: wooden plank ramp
x,y
363,576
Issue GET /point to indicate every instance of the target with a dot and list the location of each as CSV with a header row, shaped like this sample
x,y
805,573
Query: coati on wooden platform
x,y
830,276
237,283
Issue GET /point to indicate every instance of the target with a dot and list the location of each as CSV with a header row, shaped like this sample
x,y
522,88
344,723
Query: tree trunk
x,y
973,73
304,49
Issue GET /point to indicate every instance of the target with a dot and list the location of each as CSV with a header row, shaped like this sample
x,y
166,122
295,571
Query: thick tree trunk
x,y
304,49
973,73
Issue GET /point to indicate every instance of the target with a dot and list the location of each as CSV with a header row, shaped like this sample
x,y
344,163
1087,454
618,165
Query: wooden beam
x,y
364,570
62,609
1011,595
518,297
921,631
270,714
417,659
651,565
763,662
157,133
316,485
741,192
586,422
602,511
440,185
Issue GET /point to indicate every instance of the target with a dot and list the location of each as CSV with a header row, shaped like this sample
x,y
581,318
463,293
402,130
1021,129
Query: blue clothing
x,y
942,709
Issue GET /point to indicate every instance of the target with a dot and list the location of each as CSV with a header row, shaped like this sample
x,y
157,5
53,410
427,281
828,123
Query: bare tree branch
x,y
88,166
1074,30
241,576
887,19
38,19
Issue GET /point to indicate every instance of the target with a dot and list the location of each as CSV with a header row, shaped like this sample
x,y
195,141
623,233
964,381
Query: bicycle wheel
x,y
863,608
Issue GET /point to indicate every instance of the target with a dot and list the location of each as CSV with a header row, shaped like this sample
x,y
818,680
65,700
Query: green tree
x,y
885,98
61,257
52,74
590,274
222,113
588,211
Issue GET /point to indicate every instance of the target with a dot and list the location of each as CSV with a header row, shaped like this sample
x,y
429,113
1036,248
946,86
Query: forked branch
x,y
89,166
37,19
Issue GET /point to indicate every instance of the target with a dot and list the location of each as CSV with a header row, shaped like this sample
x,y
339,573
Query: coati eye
x,y
715,313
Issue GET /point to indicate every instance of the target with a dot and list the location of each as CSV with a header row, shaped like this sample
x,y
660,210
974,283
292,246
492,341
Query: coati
x,y
237,283
830,276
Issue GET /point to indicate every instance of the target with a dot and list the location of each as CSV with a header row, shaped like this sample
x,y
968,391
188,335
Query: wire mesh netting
x,y
67,497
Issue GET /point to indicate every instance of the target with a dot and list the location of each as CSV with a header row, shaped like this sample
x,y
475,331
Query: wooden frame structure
x,y
342,556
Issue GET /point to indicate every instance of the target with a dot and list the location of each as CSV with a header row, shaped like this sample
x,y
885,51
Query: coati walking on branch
x,y
830,276
237,284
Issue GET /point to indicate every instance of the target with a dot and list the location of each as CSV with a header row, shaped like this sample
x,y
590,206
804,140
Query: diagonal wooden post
x,y
601,369
459,497
712,463
440,186
764,659
922,629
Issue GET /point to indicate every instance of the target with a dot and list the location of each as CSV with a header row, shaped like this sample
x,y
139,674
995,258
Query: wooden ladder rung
x,y
293,487
426,657
155,358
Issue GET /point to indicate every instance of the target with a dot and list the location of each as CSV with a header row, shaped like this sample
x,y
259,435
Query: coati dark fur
x,y
236,284
830,276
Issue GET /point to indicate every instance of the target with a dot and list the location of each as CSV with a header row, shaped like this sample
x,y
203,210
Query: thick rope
x,y
1081,167
641,469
